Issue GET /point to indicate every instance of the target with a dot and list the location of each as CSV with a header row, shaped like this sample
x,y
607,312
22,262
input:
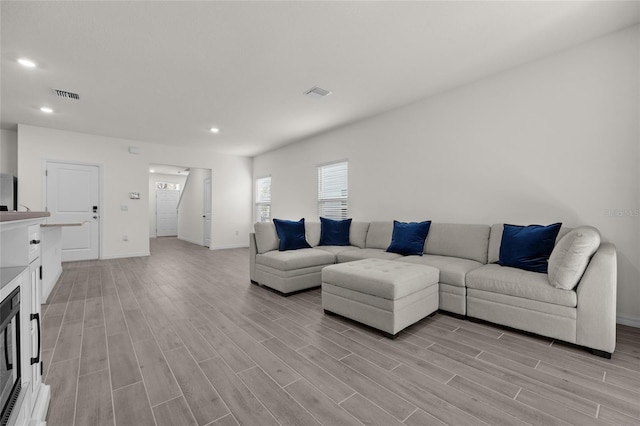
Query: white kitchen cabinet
x,y
20,250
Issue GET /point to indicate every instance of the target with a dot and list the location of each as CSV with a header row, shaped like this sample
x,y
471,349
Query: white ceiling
x,y
166,72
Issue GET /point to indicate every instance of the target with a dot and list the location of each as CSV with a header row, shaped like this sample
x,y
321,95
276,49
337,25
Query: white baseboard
x,y
229,247
629,320
123,255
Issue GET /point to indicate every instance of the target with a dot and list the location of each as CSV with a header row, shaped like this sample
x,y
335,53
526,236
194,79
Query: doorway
x,y
167,212
192,214
206,211
73,196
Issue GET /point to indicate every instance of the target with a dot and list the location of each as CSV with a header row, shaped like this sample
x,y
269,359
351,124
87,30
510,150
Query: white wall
x,y
123,173
153,179
9,152
190,222
553,140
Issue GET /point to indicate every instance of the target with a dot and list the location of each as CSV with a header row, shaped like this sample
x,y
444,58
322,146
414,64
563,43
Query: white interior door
x,y
73,194
167,212
206,212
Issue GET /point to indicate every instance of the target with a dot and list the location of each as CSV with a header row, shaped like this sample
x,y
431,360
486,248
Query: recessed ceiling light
x,y
46,110
214,130
152,171
28,63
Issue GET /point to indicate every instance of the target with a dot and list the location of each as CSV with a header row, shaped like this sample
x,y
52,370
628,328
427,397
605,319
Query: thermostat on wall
x,y
134,195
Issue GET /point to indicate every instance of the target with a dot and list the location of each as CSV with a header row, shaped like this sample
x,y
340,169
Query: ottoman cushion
x,y
382,278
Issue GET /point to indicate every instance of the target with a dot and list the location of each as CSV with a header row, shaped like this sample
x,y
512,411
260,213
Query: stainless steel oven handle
x,y
37,358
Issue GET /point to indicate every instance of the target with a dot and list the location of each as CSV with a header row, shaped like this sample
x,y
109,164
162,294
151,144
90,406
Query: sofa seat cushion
x,y
519,283
335,250
295,259
453,270
368,253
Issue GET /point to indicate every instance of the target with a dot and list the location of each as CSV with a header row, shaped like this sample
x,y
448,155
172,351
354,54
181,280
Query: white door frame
x,y
204,208
100,188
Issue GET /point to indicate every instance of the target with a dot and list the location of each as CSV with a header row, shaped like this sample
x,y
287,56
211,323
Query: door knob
x,y
95,217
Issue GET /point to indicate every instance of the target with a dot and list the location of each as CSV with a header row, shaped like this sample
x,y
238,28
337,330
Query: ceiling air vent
x,y
317,92
67,95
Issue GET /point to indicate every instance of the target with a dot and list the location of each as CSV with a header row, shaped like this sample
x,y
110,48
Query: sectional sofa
x,y
471,282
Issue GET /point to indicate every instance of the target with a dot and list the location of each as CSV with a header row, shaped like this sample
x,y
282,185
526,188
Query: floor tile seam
x,y
300,403
155,339
239,378
489,404
281,340
144,385
55,346
308,380
375,404
515,398
75,402
203,374
393,357
459,408
539,394
367,379
106,345
246,385
583,387
536,381
361,344
93,371
583,376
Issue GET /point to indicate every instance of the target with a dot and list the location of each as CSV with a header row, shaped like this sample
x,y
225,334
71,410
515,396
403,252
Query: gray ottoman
x,y
383,294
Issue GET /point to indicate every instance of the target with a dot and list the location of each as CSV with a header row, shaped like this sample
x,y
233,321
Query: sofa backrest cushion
x,y
358,234
458,240
571,255
495,240
313,233
266,237
379,235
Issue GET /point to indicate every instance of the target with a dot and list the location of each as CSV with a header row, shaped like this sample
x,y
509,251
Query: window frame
x,y
343,199
260,203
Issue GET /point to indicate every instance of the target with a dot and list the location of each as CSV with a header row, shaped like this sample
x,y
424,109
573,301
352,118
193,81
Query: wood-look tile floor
x,y
182,338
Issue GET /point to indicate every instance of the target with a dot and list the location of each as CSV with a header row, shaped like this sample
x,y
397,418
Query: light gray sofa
x,y
471,283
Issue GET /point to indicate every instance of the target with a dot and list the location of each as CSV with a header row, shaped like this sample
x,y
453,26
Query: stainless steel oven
x,y
9,353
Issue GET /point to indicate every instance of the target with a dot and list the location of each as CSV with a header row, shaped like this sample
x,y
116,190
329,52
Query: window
x,y
333,190
167,185
263,199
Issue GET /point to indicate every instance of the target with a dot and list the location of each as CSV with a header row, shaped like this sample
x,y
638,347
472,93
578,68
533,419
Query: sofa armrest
x,y
596,316
253,251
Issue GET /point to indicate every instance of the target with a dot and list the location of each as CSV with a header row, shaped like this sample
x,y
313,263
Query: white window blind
x,y
263,199
333,190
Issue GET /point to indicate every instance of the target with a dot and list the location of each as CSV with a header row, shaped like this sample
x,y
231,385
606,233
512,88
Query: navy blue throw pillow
x,y
528,247
409,237
291,234
334,232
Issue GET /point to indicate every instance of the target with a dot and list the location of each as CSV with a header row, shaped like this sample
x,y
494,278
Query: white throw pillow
x,y
571,255
266,237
